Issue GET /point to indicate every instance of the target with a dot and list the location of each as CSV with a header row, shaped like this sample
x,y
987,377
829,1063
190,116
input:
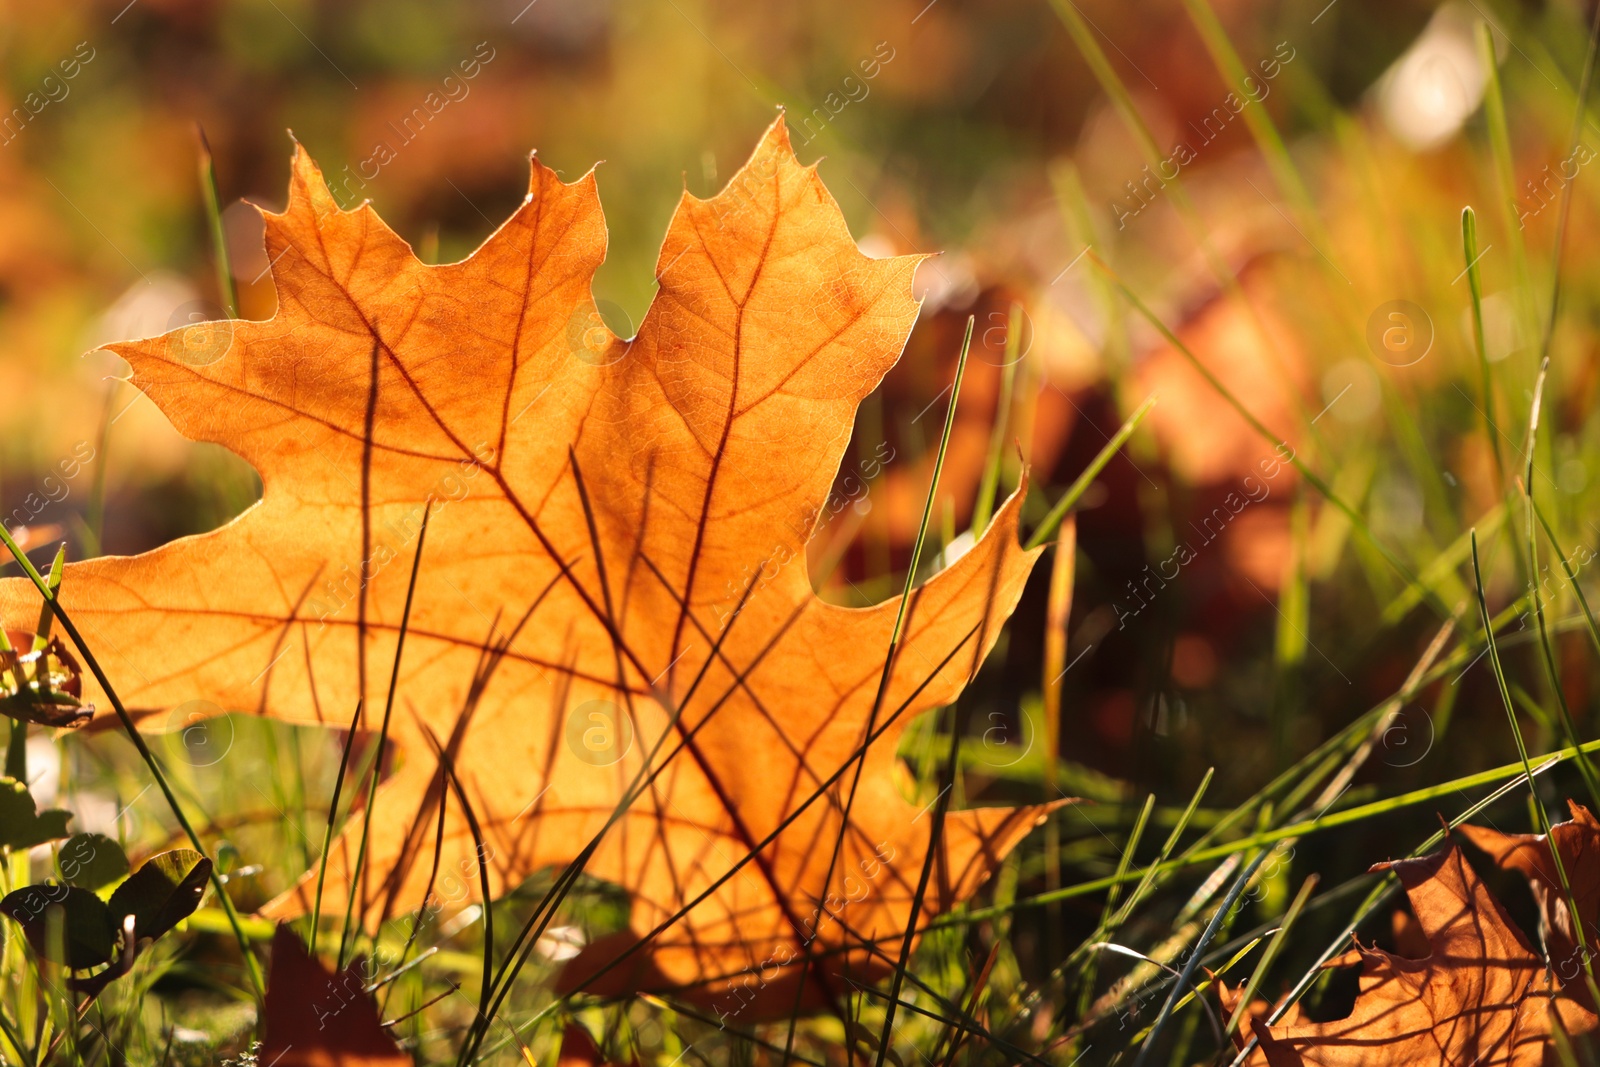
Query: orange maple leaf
x,y
618,526
1483,997
1578,841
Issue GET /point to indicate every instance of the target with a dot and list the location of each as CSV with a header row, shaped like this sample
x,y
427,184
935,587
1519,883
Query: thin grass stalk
x,y
1122,101
1522,751
1552,674
1086,979
988,486
417,919
954,1036
941,806
1075,491
448,767
219,240
1058,613
358,873
1356,519
1505,173
935,834
327,833
17,749
536,923
1572,576
1258,120
1564,210
1346,817
1469,250
1109,919
902,610
1270,954
1186,976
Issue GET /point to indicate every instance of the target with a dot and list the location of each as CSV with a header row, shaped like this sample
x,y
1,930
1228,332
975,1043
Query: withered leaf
x,y
601,510
578,1049
315,1018
1578,841
41,686
1483,996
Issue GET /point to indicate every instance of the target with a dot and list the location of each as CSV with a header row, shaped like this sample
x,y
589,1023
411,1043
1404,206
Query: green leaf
x,y
91,861
162,892
84,937
22,825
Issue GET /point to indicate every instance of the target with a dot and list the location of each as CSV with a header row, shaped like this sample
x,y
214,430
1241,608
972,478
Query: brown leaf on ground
x,y
1578,841
1483,997
579,1050
1255,350
314,1018
601,509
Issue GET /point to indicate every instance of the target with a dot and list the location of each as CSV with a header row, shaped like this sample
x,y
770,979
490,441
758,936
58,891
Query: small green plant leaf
x,y
85,937
162,892
22,824
91,861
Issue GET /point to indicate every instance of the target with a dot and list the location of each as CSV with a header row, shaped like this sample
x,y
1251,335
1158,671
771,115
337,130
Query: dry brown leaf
x,y
1255,350
706,448
41,685
314,1018
579,1050
1578,841
1258,1011
1483,997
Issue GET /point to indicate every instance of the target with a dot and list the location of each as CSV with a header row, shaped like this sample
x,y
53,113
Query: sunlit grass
x,y
1433,575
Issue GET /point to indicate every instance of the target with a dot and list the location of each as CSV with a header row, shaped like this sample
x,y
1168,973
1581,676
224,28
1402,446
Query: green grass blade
x,y
327,833
1572,575
1522,752
358,872
1270,954
1257,119
1047,528
1469,250
883,686
41,632
1505,171
983,509
219,239
1564,211
1357,521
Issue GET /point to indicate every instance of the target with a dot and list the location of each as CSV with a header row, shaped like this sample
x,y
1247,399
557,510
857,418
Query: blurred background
x,y
1275,181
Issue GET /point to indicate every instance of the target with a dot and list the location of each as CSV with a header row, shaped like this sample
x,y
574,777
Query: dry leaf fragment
x,y
627,519
315,1018
1578,841
1483,997
578,1049
41,685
